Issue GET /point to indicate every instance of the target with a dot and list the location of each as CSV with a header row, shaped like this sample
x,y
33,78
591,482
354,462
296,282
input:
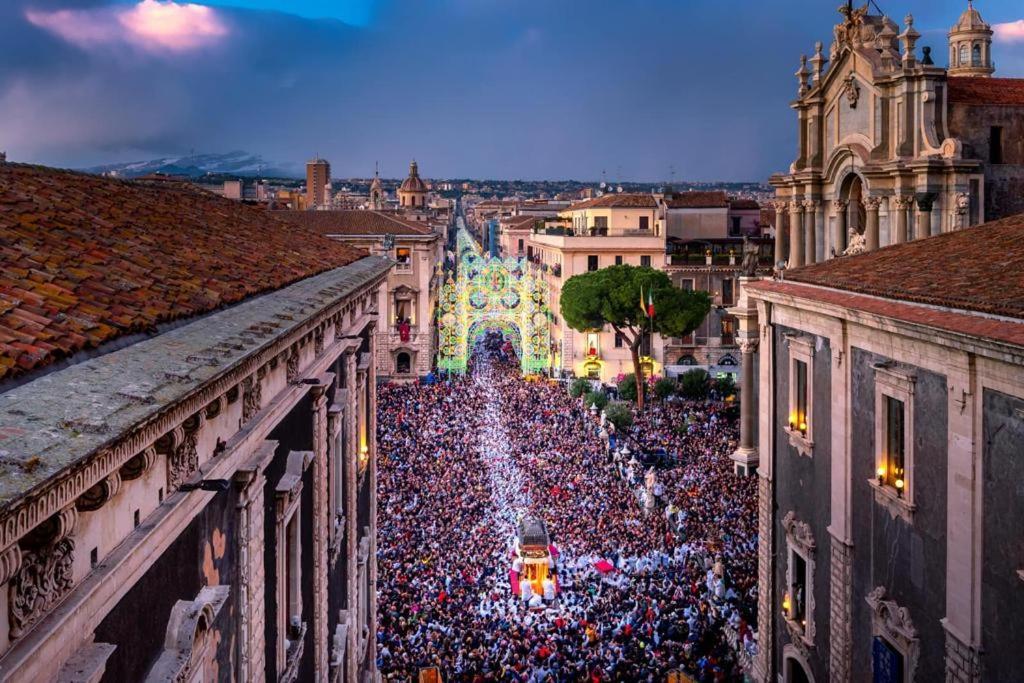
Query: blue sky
x,y
470,88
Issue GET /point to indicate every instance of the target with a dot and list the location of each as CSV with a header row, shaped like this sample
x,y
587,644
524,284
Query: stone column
x,y
746,456
322,518
871,240
250,577
902,202
796,239
780,231
810,211
351,515
925,201
372,568
839,232
840,609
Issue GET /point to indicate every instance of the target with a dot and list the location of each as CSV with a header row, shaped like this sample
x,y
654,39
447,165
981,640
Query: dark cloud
x,y
493,88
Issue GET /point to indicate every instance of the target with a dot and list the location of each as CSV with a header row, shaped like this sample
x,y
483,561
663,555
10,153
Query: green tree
x,y
619,414
693,384
665,387
627,387
579,386
596,398
611,297
726,386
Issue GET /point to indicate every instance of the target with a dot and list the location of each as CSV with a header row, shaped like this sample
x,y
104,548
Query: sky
x,y
516,89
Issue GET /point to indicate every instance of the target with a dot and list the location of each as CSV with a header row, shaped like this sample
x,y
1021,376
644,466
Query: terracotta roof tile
x,y
86,259
971,90
976,269
617,201
356,222
713,199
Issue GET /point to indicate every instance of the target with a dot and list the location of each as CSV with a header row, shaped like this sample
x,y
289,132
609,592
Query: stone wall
x,y
1004,183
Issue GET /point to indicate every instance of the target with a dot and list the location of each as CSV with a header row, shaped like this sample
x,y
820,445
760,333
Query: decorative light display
x,y
492,294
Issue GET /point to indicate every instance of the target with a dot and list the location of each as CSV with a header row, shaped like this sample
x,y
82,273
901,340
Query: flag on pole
x,y
643,305
650,304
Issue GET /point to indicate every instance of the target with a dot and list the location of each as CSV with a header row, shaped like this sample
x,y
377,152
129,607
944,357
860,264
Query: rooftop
x,y
979,269
712,199
354,223
617,201
979,92
86,259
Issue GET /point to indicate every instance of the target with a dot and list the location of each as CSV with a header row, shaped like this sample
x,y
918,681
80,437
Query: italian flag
x,y
647,306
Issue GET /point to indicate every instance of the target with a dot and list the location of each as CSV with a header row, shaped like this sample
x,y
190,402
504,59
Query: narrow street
x,y
462,462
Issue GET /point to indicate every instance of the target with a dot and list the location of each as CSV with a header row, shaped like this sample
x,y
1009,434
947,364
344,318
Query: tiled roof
x,y
617,201
971,90
955,322
519,222
976,269
714,199
356,222
744,204
85,259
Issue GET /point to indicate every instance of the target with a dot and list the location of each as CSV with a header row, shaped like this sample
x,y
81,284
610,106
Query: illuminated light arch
x,y
492,294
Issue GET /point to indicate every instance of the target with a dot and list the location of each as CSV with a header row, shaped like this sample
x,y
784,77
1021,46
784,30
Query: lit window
x,y
894,430
800,421
798,597
403,255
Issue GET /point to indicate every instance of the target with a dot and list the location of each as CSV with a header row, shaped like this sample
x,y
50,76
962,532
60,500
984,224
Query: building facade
x,y
894,148
885,428
189,469
406,336
318,183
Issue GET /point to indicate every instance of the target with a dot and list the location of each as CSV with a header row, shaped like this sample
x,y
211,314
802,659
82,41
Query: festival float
x,y
534,565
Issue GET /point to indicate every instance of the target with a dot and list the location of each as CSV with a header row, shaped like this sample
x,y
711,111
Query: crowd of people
x,y
462,460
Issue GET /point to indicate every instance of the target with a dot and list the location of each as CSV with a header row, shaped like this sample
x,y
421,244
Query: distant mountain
x,y
237,163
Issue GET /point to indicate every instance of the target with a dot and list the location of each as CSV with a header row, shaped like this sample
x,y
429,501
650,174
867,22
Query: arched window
x,y
963,55
403,363
976,56
727,360
687,360
592,370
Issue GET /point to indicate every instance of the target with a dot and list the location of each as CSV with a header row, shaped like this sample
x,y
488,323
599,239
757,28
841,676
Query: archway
x,y
496,294
852,190
403,363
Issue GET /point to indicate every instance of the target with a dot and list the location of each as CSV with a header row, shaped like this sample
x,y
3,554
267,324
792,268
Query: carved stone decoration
x,y
139,465
293,367
848,33
893,622
852,91
297,638
252,400
10,563
747,344
98,496
184,460
187,641
318,342
799,533
856,243
45,577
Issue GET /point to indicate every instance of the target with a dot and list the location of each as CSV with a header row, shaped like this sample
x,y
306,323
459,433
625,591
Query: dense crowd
x,y
461,461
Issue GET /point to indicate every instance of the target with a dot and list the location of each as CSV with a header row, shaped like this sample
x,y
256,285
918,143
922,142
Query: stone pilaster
x,y
810,220
962,661
321,532
351,511
765,590
840,615
925,201
251,575
371,664
796,238
871,238
902,203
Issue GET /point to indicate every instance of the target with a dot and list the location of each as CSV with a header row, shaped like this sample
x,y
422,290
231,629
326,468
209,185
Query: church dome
x,y
413,183
971,20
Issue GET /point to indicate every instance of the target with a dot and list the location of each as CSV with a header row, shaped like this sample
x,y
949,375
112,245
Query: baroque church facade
x,y
893,147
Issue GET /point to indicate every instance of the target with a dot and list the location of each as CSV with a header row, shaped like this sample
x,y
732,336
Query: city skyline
x,y
485,90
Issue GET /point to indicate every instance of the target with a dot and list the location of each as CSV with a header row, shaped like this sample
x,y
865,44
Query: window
x,y
645,223
592,370
728,331
618,259
798,597
894,471
687,360
728,292
404,257
896,643
645,261
995,145
686,284
645,344
976,56
520,246
592,262
734,229
963,55
800,422
403,363
600,225
593,346
619,341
